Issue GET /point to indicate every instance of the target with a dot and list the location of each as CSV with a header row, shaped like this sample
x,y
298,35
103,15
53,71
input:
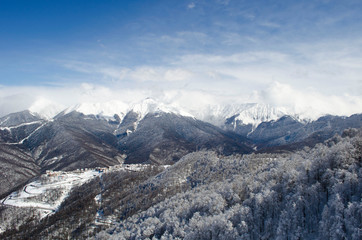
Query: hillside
x,y
309,194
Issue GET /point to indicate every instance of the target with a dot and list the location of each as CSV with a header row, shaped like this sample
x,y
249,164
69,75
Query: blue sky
x,y
217,47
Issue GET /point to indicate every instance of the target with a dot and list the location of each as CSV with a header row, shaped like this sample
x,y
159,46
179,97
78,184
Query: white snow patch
x,y
104,109
22,141
20,125
248,113
98,198
107,110
149,105
259,113
36,194
5,120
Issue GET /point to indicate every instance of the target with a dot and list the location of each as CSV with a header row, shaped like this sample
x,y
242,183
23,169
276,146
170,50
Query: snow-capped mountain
x,y
98,136
114,121
241,118
219,115
245,114
255,114
108,110
105,109
150,105
15,119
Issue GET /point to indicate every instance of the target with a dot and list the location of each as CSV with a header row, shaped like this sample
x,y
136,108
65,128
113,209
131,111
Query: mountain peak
x,y
104,109
14,119
247,113
257,113
149,105
241,113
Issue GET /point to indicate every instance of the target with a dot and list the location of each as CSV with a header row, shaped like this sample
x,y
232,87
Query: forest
x,y
311,194
314,193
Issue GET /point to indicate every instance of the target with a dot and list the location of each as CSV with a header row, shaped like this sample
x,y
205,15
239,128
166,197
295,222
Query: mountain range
x,y
97,136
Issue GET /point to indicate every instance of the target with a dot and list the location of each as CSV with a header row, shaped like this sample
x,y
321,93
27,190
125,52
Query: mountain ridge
x,y
33,148
150,132
217,114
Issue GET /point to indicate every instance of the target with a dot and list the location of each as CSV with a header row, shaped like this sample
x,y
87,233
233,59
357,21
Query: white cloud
x,y
105,72
191,5
155,74
177,75
51,100
45,107
236,39
329,67
13,101
323,77
308,103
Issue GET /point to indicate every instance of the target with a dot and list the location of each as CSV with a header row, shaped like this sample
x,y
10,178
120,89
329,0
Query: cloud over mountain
x,y
48,101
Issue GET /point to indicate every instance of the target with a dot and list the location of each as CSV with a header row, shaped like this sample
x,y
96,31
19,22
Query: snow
x,y
20,125
110,108
3,121
22,141
37,194
247,113
149,105
98,198
259,113
103,109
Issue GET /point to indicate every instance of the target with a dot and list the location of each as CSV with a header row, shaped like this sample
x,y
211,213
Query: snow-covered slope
x,y
149,105
18,119
248,113
258,113
39,194
105,109
48,192
109,109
